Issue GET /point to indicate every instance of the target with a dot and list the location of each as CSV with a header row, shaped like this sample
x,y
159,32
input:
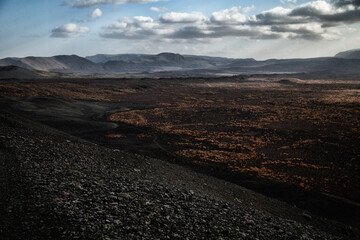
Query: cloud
x,y
278,15
91,17
69,30
96,13
326,13
93,3
304,31
341,3
315,9
178,17
288,1
214,32
229,16
248,9
329,14
138,27
313,21
147,28
155,9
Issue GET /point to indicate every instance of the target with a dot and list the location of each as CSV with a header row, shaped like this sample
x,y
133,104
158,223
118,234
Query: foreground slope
x,y
57,187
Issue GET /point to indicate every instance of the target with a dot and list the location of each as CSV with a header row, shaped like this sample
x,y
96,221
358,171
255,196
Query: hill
x,y
60,63
351,54
14,72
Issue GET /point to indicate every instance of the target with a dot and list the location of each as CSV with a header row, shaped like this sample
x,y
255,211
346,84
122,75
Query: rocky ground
x,y
54,186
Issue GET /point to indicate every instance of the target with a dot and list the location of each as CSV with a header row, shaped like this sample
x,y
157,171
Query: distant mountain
x,y
103,58
351,54
170,63
309,65
132,63
60,63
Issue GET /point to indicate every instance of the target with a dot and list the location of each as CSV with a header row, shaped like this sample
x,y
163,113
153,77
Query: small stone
x,y
306,216
350,231
125,195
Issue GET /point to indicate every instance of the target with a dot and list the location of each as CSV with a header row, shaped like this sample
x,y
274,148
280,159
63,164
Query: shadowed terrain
x,y
285,137
286,130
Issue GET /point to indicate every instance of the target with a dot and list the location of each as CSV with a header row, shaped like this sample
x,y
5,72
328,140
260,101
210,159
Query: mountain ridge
x,y
342,63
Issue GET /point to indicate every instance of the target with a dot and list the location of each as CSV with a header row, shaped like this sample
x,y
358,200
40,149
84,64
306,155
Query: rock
x,y
125,195
306,216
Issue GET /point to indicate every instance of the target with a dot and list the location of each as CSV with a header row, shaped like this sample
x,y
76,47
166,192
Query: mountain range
x,y
342,63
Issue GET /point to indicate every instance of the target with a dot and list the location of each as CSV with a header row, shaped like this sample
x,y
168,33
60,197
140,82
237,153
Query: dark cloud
x,y
300,32
341,3
299,22
277,16
191,32
325,12
348,17
138,35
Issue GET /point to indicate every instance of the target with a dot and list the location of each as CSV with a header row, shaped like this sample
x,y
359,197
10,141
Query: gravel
x,y
55,186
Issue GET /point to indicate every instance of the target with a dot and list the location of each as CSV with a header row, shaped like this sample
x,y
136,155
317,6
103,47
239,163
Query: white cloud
x,y
316,8
277,15
178,17
229,16
93,3
248,9
68,30
310,21
328,14
138,27
288,1
156,9
96,13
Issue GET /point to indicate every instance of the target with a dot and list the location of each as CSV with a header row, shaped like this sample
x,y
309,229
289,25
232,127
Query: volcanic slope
x,y
55,186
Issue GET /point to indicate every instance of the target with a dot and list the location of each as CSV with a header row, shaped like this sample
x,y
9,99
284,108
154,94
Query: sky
x,y
260,29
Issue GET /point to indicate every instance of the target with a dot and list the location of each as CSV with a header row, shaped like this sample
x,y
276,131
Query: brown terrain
x,y
289,138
